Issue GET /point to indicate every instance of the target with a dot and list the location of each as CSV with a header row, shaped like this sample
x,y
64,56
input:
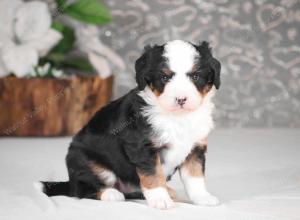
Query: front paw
x,y
158,198
205,200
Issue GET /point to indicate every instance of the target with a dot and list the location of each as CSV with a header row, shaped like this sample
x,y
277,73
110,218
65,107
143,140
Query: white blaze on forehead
x,y
180,55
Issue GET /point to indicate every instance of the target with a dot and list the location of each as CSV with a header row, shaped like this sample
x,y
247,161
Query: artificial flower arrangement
x,y
37,42
55,72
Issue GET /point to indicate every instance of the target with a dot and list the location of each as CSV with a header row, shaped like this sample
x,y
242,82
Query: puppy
x,y
132,147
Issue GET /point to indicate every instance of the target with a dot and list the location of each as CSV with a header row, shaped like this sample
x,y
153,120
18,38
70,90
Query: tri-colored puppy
x,y
132,146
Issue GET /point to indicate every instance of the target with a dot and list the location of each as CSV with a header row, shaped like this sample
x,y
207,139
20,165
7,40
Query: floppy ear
x,y
205,52
141,68
216,68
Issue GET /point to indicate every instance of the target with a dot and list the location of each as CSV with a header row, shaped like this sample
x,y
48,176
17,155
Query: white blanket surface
x,y
254,172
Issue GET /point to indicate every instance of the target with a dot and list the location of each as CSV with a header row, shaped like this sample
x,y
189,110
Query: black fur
x,y
200,153
118,136
150,68
56,188
209,68
106,141
147,67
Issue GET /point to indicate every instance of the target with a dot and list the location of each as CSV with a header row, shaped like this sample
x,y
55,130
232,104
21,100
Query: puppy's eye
x,y
165,78
194,77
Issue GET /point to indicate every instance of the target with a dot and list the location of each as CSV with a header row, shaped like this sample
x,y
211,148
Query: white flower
x,y
25,35
57,73
100,55
46,68
45,71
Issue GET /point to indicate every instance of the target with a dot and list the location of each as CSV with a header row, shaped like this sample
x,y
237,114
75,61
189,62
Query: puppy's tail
x,y
63,189
56,188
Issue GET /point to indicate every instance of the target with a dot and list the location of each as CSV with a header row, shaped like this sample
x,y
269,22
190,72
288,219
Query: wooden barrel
x,y
50,107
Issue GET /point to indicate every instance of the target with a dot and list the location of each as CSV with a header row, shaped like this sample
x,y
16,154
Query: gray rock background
x,y
258,43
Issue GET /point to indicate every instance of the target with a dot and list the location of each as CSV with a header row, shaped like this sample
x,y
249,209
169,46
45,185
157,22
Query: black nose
x,y
181,101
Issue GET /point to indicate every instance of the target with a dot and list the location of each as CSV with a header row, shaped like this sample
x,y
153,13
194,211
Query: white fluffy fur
x,y
158,198
112,194
181,57
196,190
180,132
108,177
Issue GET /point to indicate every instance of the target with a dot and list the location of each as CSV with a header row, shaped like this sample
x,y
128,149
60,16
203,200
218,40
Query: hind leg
x,y
108,192
89,179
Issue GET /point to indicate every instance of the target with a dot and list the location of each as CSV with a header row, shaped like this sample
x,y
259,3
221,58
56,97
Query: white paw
x,y
206,200
158,198
111,194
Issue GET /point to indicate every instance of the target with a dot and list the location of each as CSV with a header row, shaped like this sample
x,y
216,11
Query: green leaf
x,y
60,3
58,26
67,42
56,59
89,11
60,61
79,64
60,7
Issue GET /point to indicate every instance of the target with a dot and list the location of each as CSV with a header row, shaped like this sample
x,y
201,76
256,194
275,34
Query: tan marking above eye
x,y
194,68
167,71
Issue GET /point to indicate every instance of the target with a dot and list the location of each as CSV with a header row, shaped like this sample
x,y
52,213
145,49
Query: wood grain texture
x,y
50,107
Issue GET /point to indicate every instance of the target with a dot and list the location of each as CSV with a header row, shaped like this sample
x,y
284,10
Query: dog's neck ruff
x,y
179,132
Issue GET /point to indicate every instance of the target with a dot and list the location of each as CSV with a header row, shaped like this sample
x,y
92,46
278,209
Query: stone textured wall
x,y
258,43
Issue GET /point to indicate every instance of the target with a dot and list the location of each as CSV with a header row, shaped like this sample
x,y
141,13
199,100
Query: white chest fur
x,y
180,134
